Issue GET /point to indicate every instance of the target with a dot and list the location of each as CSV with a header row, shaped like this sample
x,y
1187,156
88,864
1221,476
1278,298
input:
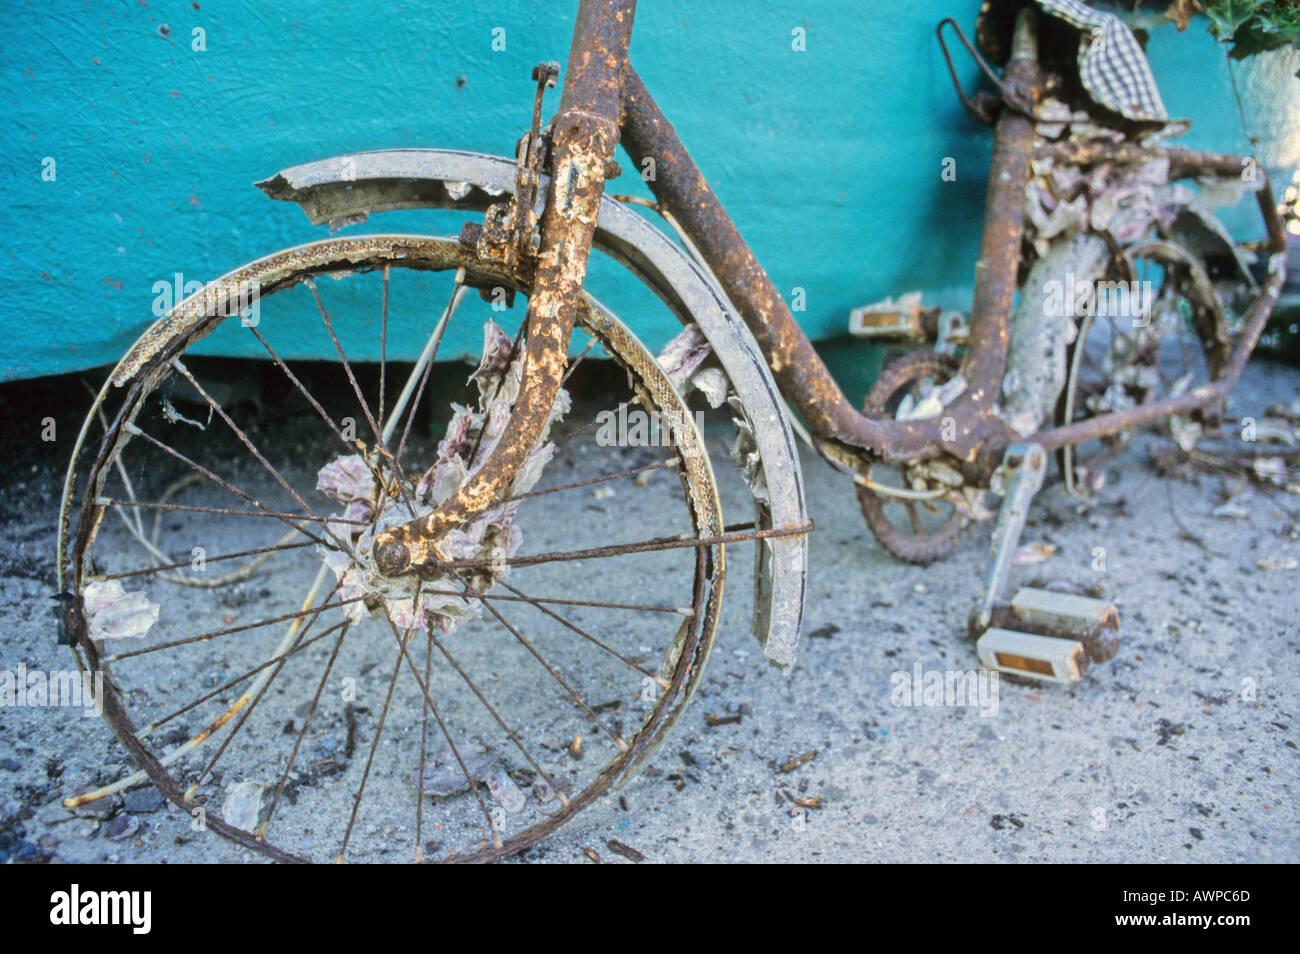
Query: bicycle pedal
x,y
1048,635
1047,658
901,321
1095,623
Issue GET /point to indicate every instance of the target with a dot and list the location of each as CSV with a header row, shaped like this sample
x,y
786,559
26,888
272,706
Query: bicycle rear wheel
x,y
1165,333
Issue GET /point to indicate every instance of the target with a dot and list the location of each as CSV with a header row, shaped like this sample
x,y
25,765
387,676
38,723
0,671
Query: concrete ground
x,y
1183,749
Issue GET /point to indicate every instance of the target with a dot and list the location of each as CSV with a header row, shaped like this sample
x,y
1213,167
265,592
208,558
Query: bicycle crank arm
x,y
1040,634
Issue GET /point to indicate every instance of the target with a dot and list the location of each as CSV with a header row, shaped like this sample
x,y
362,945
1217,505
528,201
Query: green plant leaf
x,y
1228,16
1248,27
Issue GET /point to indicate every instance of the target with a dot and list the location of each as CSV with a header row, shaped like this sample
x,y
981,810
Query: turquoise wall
x,y
828,159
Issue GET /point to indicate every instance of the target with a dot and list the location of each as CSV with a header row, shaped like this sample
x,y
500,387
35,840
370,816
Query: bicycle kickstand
x,y
1040,634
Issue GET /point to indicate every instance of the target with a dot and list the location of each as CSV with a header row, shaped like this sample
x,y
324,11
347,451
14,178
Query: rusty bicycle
x,y
357,642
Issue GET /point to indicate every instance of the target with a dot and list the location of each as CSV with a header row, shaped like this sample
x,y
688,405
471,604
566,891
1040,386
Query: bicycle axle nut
x,y
391,556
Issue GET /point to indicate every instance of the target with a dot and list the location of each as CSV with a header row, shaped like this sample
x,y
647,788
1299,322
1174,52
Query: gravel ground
x,y
1181,749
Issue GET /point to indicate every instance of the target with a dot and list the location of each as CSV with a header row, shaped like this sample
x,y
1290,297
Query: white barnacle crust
x,y
113,613
347,480
490,539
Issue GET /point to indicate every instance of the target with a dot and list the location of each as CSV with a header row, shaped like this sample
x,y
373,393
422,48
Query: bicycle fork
x,y
584,136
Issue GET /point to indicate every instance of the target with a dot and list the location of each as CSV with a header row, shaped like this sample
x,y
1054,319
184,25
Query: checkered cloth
x,y
1112,66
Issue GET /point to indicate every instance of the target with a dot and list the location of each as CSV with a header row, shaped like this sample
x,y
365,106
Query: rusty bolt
x,y
548,72
469,233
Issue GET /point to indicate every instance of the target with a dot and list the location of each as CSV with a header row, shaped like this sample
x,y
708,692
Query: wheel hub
x,y
392,558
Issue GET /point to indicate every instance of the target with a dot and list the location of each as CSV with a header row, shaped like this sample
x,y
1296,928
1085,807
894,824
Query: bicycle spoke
x,y
207,559
343,358
573,365
595,480
324,415
202,637
199,468
158,723
427,358
442,727
572,693
243,438
595,423
663,683
419,766
599,553
227,512
365,408
302,389
370,757
248,710
302,733
595,604
511,734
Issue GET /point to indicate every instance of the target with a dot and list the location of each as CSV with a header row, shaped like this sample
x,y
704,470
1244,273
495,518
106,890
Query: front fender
x,y
345,190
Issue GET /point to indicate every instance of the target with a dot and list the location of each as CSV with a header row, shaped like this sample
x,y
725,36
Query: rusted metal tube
x,y
584,136
979,435
593,83
682,189
1004,227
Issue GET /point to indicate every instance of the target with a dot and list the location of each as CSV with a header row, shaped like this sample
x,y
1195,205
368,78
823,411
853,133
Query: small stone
x,y
542,791
1271,564
142,801
100,808
122,827
443,774
22,852
52,814
504,790
243,804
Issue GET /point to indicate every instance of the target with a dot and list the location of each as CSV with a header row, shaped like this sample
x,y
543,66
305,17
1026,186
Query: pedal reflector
x,y
1037,657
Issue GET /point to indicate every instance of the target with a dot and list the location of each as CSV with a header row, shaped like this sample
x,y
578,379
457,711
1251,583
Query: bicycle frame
x,y
605,101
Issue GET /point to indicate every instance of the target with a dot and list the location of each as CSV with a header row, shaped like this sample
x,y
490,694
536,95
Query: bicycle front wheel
x,y
264,675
